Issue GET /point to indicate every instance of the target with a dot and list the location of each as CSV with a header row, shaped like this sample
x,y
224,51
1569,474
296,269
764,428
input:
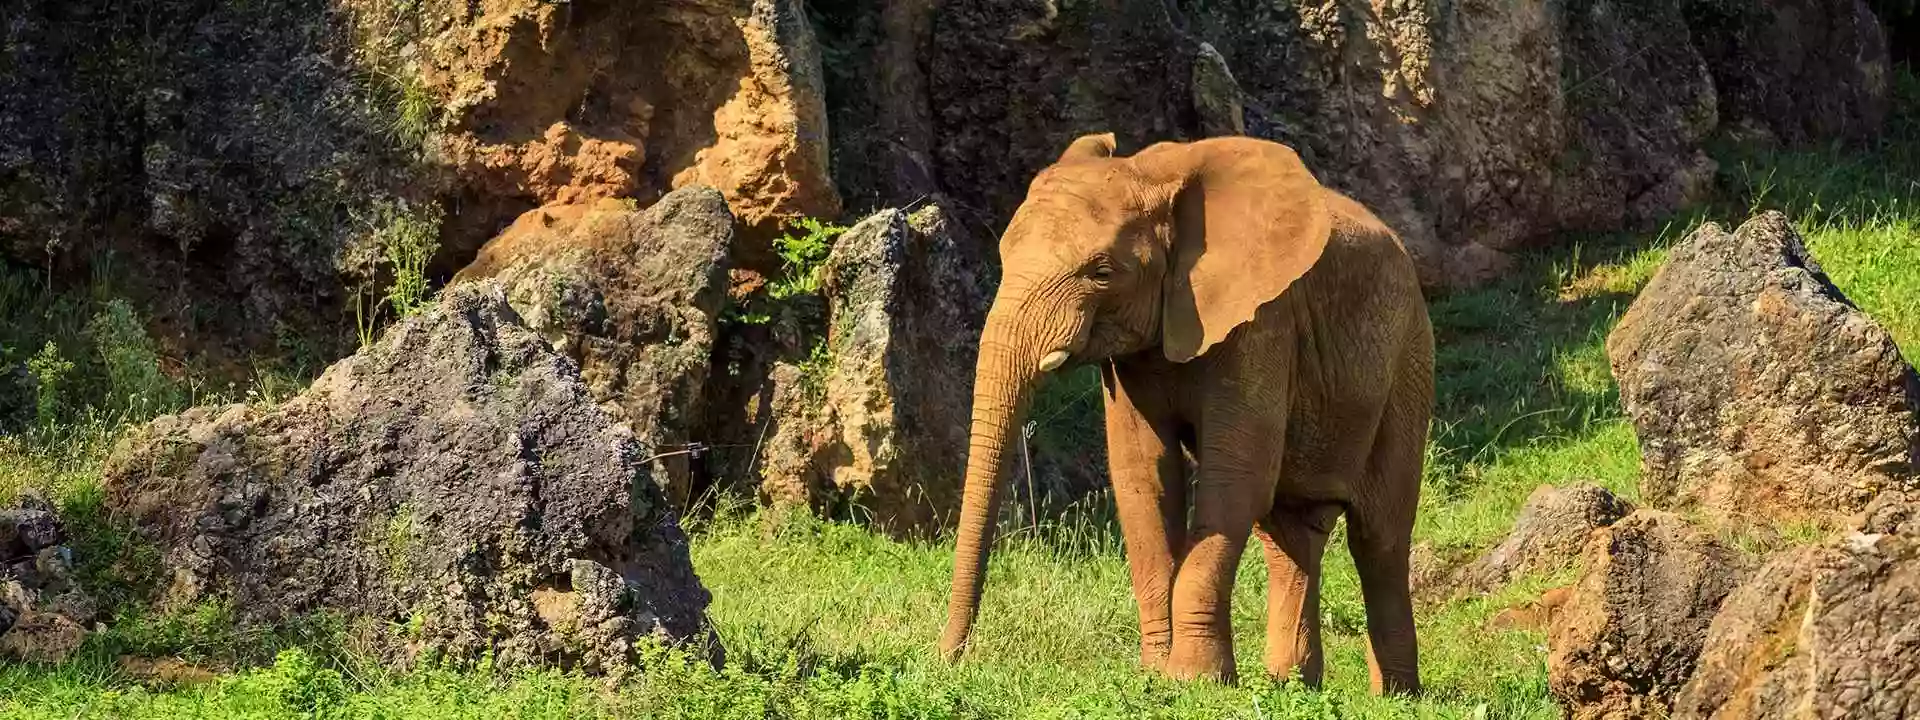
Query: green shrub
x,y
407,238
136,389
50,373
803,256
306,688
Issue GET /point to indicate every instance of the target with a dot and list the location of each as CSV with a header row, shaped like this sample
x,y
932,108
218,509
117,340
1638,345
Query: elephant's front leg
x,y
1233,489
1149,490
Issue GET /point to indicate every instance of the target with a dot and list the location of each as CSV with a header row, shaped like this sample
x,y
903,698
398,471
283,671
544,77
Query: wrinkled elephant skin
x,y
1269,326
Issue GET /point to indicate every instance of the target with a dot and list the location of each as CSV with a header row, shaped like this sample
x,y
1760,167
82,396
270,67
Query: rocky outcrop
x,y
632,297
1890,512
45,615
1824,632
230,152
1755,386
1549,534
565,103
880,420
256,161
252,159
1473,128
1624,642
455,479
1795,70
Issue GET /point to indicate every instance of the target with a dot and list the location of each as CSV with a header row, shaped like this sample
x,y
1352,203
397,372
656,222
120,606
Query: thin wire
x,y
1026,455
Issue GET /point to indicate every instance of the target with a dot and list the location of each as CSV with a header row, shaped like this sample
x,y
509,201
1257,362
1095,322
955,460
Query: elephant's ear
x,y
1249,219
1090,147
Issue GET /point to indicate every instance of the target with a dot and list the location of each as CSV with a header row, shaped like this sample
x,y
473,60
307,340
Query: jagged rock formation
x,y
455,478
258,156
1756,387
632,297
1824,631
882,421
1624,642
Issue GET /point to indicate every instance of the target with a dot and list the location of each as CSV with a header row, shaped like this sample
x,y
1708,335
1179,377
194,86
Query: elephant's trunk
x,y
1004,378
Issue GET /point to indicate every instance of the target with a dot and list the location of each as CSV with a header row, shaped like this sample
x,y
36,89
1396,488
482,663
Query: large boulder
x,y
1549,533
45,614
632,298
1624,642
1828,632
880,421
1755,386
454,479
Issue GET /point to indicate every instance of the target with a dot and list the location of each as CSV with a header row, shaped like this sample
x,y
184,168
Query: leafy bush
x,y
803,256
136,388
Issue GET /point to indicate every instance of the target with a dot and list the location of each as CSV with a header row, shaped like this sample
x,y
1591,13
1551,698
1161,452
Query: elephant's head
x,y
1166,251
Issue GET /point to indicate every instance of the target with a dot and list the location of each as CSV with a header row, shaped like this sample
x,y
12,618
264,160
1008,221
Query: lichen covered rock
x,y
1830,632
632,297
886,428
1549,534
45,614
455,478
1755,386
1624,642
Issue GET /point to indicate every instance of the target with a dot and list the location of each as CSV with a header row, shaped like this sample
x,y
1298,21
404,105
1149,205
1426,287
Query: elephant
x,y
1240,312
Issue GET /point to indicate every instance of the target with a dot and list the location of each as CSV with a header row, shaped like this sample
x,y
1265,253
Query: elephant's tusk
x,y
1053,361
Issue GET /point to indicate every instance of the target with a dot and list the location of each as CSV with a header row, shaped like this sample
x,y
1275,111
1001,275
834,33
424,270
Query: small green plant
x,y
407,238
137,387
50,373
305,687
803,252
814,372
802,256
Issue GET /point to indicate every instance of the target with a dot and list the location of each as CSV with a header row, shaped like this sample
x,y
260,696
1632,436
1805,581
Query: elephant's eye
x,y
1101,271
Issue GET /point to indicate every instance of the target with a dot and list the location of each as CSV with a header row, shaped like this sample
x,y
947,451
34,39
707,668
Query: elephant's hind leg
x,y
1380,525
1295,539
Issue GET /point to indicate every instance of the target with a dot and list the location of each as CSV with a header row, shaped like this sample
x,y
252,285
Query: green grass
x,y
824,619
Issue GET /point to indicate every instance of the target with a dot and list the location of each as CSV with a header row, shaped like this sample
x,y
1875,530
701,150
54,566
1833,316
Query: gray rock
x,y
1755,386
43,610
1829,632
29,526
1549,533
455,479
632,297
886,426
1216,95
1624,642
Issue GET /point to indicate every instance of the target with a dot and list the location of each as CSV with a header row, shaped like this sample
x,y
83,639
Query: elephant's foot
x,y
1202,659
1153,653
1401,678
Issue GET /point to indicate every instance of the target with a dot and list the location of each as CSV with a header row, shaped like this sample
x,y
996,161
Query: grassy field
x,y
825,620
